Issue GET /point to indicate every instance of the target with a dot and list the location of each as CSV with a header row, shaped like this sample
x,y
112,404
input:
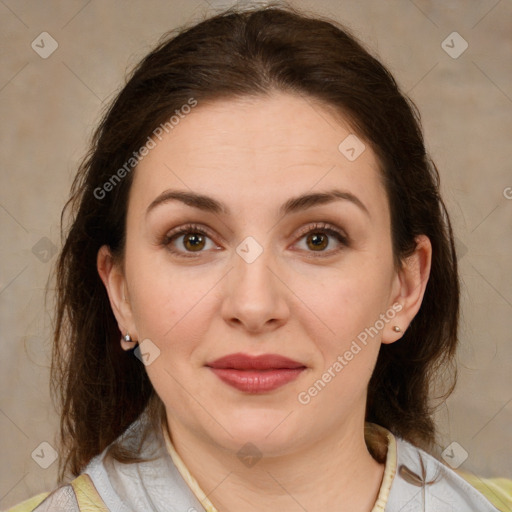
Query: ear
x,y
113,278
409,287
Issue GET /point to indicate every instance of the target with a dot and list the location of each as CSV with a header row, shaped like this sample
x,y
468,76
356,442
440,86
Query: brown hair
x,y
100,388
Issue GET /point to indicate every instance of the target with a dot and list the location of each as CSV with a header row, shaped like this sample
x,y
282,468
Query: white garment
x,y
158,485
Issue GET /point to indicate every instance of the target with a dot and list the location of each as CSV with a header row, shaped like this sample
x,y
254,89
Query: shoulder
x,y
30,504
79,495
497,490
422,479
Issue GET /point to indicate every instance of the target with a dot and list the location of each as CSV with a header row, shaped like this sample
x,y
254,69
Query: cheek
x,y
342,311
341,321
347,301
164,298
175,311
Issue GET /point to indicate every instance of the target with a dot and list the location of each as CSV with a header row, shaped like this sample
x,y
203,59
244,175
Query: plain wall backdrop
x,y
49,107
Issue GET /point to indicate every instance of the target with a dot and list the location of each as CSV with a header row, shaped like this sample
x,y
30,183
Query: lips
x,y
256,374
264,362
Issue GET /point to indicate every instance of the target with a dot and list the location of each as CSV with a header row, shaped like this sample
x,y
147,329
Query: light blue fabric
x,y
445,491
158,486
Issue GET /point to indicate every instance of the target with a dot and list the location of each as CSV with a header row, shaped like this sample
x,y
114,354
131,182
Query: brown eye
x,y
194,241
189,240
317,241
322,238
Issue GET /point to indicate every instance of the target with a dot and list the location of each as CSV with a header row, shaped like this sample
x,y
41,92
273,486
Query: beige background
x,y
50,106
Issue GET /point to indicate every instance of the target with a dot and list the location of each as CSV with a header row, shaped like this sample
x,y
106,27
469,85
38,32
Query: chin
x,y
264,428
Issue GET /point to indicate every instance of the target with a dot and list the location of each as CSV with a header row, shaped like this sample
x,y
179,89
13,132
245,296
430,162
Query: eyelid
x,y
325,227
183,230
188,228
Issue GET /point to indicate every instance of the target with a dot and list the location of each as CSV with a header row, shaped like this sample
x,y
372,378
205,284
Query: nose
x,y
255,296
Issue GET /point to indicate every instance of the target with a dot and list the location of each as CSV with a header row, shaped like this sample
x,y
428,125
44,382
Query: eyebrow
x,y
295,204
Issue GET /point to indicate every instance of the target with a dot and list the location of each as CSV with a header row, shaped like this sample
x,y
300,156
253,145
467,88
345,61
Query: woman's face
x,y
260,265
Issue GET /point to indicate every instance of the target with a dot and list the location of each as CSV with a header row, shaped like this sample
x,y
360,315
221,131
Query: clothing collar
x,y
378,439
413,480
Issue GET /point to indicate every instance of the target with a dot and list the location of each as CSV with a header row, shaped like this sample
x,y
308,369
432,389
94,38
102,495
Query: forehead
x,y
259,150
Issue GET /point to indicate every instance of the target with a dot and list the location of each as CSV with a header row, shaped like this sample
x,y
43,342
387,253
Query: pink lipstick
x,y
256,374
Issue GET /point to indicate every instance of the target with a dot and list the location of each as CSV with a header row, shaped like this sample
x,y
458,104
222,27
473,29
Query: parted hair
x,y
101,389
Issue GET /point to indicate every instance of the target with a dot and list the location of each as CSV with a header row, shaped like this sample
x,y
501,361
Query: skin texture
x,y
254,154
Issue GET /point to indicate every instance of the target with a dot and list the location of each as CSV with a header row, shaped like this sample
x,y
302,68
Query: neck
x,y
336,473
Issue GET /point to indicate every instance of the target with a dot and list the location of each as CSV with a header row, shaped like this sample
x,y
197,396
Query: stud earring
x,y
127,343
397,329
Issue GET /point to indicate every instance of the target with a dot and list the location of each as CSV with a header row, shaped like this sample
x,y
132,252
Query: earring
x,y
127,343
397,329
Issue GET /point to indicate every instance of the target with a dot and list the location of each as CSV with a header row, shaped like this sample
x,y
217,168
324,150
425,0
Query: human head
x,y
237,55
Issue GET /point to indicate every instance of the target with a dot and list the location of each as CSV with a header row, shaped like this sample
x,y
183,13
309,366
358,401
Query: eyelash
x,y
321,227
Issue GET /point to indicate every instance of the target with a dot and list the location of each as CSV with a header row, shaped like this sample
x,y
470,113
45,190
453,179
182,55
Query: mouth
x,y
256,374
